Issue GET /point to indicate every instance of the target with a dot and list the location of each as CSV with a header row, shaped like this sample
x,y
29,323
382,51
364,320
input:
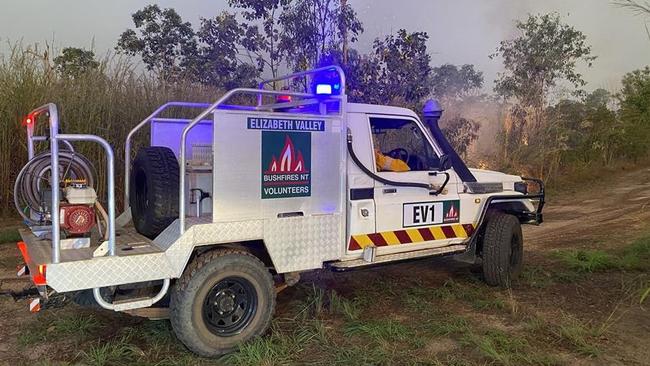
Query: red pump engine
x,y
78,214
77,219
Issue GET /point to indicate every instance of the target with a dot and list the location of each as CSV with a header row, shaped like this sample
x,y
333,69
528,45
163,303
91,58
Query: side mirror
x,y
445,163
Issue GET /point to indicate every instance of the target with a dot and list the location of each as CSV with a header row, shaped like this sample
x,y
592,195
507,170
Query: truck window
x,y
400,145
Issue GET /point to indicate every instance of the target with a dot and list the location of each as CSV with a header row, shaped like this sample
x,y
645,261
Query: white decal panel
x,y
422,214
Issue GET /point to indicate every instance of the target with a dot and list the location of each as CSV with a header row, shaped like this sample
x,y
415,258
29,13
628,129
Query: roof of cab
x,y
379,109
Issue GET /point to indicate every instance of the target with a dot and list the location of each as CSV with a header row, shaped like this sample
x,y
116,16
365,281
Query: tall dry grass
x,y
106,102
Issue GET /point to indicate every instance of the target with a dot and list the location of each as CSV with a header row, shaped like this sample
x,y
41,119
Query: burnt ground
x,y
577,303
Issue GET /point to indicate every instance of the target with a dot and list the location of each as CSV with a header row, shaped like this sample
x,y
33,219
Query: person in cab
x,y
400,146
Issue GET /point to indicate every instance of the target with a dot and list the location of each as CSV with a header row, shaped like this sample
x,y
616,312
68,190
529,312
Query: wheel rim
x,y
229,306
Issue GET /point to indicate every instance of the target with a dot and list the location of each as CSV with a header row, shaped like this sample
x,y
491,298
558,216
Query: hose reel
x,y
32,186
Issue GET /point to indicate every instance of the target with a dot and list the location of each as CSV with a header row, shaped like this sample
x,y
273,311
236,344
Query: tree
x,y
404,64
452,85
461,133
634,99
587,130
74,62
605,135
264,44
638,7
217,62
313,28
545,52
166,44
361,74
452,82
394,73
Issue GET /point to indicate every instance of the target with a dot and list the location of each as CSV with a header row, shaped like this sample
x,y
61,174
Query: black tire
x,y
154,190
503,250
200,326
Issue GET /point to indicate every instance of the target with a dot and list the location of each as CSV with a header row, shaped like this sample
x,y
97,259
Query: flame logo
x,y
452,214
291,161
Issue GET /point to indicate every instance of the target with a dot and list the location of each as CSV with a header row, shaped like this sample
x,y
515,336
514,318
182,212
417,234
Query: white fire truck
x,y
224,209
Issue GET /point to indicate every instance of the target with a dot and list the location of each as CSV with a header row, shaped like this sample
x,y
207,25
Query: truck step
x,y
386,258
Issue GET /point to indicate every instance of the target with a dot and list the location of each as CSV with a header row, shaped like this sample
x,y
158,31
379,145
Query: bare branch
x,y
636,6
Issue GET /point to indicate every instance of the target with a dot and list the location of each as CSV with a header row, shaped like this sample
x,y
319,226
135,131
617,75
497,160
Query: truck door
x,y
409,218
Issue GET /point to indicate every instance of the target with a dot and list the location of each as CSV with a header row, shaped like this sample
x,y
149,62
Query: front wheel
x,y
503,250
224,298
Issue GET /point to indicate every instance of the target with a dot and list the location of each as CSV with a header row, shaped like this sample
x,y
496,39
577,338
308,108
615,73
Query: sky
x,y
461,31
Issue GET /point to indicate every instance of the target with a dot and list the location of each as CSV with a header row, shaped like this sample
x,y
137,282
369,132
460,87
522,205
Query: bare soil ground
x,y
435,312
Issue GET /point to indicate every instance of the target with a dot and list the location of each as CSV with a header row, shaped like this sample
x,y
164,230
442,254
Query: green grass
x,y
9,236
534,324
586,261
497,346
350,309
635,257
380,330
645,294
448,325
507,349
319,302
577,336
114,352
478,295
29,337
580,336
51,326
537,277
76,325
358,355
568,276
488,304
322,327
277,348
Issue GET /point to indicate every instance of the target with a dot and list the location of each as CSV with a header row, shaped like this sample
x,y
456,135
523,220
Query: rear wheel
x,y
154,190
224,298
503,250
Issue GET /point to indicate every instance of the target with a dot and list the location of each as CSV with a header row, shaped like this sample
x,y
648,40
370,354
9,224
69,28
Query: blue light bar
x,y
323,89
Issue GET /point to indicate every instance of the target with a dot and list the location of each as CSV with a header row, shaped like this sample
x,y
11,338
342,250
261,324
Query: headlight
x,y
521,187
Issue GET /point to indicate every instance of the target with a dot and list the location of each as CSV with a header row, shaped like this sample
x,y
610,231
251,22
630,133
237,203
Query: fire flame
x,y
290,160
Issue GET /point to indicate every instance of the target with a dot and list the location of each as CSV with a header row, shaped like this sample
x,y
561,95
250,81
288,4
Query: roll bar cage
x,y
260,92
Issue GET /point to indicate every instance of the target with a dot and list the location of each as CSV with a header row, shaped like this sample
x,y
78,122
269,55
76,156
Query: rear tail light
x,y
39,276
30,120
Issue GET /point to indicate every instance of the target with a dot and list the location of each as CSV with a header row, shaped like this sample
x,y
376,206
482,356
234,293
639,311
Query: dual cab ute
x,y
224,209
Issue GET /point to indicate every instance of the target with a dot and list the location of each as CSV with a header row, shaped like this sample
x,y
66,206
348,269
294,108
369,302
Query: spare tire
x,y
154,190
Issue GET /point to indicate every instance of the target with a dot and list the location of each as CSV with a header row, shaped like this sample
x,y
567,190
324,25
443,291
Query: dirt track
x,y
606,216
617,209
